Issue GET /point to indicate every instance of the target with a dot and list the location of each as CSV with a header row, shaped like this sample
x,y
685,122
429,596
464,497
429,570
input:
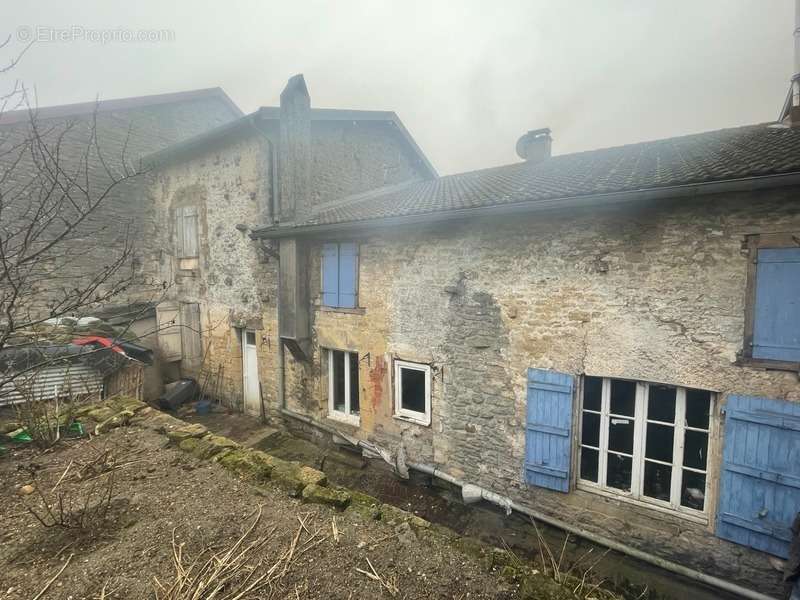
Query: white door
x,y
252,392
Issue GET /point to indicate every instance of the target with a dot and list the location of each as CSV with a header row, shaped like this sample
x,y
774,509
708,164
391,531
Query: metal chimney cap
x,y
535,145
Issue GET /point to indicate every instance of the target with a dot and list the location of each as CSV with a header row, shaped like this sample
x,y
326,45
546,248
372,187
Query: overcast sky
x,y
467,78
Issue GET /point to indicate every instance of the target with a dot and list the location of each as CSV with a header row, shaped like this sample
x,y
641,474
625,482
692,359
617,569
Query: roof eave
x,y
179,150
532,206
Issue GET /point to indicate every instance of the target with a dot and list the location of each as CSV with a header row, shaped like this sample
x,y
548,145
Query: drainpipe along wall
x,y
473,493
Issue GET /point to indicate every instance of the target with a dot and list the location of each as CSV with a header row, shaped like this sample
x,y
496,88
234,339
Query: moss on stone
x,y
120,403
365,505
249,464
534,585
189,445
312,476
324,495
209,446
393,515
195,430
118,420
101,414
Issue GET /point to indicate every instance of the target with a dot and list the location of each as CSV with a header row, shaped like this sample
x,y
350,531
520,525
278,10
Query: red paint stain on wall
x,y
376,375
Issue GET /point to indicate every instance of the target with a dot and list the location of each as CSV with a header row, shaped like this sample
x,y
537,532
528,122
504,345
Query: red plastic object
x,y
96,339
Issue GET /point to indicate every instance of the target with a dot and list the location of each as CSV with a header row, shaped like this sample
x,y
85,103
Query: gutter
x,y
473,493
535,206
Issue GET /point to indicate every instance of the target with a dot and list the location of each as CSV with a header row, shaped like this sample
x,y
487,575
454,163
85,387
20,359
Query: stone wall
x,y
350,157
649,292
236,283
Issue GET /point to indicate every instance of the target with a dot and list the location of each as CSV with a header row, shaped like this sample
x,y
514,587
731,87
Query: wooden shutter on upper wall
x,y
776,315
191,339
169,331
548,429
186,232
760,483
330,274
348,275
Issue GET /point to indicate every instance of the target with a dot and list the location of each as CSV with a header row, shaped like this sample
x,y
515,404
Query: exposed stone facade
x,y
651,291
648,292
236,282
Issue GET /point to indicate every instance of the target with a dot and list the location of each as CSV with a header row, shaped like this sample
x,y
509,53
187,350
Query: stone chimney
x,y
294,151
535,146
790,115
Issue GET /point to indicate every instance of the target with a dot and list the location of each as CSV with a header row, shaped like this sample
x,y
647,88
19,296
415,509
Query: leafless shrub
x,y
44,416
83,507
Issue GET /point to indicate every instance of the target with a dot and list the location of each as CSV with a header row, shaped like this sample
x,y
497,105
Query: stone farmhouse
x,y
608,340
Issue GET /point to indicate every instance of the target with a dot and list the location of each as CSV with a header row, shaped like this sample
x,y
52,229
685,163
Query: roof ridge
x,y
757,151
126,103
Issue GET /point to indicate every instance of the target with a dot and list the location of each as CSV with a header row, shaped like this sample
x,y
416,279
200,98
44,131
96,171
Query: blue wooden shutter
x,y
348,275
776,315
330,274
760,485
549,423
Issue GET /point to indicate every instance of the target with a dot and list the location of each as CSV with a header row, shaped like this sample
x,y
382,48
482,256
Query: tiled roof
x,y
273,114
727,154
118,104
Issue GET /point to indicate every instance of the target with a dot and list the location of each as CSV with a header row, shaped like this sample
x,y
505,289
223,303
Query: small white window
x,y
646,441
412,391
343,388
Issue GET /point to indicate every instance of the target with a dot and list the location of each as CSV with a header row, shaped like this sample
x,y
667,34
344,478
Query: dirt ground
x,y
159,489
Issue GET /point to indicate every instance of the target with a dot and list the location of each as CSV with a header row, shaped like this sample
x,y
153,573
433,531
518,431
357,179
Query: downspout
x,y
272,209
473,493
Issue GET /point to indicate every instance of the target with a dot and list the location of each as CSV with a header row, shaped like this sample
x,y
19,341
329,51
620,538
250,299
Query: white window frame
x,y
404,413
640,419
346,416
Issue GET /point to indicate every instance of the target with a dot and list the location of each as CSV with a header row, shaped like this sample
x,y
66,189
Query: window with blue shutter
x,y
760,483
340,275
548,427
776,318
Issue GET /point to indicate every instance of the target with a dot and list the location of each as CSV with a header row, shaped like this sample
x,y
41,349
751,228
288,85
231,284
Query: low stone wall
x,y
310,485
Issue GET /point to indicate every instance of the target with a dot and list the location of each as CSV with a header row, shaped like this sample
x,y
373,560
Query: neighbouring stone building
x,y
80,148
219,316
118,131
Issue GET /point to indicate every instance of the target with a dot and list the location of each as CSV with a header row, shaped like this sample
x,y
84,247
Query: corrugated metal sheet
x,y
56,379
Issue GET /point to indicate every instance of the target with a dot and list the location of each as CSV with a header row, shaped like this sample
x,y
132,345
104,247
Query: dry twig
x,y
56,576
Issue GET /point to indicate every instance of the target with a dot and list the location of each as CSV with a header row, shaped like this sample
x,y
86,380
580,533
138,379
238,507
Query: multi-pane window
x,y
343,401
646,441
412,391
